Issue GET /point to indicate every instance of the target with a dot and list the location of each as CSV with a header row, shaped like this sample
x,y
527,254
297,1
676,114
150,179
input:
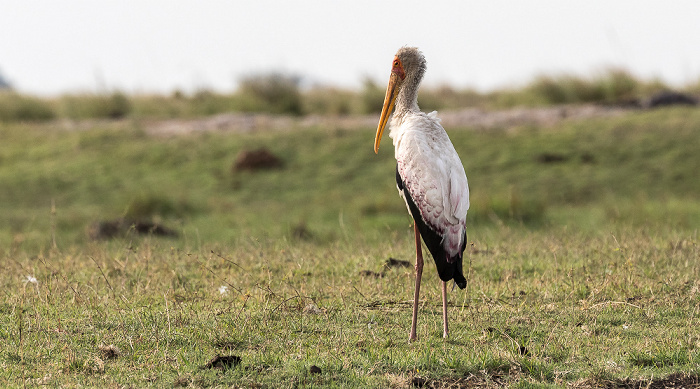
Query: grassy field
x,y
583,266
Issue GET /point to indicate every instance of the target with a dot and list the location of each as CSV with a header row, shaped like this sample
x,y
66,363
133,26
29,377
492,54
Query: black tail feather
x,y
458,275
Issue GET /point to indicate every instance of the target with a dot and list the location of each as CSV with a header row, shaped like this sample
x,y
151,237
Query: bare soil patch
x,y
476,118
258,159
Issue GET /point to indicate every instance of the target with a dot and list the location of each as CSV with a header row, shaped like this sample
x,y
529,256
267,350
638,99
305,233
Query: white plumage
x,y
433,174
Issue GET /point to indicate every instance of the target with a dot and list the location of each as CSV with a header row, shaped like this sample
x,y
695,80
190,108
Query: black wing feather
x,y
447,270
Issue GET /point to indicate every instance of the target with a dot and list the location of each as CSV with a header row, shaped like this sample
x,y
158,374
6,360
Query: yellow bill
x,y
389,100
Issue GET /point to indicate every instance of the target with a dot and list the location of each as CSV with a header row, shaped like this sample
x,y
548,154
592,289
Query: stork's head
x,y
407,71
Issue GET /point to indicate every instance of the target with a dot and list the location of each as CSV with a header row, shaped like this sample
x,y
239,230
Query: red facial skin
x,y
397,68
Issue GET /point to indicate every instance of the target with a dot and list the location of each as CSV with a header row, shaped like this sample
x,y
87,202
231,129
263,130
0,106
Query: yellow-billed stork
x,y
429,176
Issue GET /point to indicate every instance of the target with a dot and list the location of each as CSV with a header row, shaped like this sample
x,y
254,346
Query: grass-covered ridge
x,y
282,94
583,266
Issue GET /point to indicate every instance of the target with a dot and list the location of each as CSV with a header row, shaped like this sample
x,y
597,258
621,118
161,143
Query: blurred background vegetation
x,y
277,93
635,167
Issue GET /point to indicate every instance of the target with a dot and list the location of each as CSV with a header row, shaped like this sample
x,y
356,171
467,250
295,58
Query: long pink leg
x,y
419,273
444,309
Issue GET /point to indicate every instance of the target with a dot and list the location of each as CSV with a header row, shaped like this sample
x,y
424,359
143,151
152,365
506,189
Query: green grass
x,y
583,269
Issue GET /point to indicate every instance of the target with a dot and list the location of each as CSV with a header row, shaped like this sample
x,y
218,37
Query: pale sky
x,y
50,47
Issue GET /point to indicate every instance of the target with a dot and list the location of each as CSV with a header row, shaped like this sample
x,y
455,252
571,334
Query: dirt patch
x,y
475,118
542,117
370,273
222,362
302,232
109,229
259,159
552,158
109,352
393,262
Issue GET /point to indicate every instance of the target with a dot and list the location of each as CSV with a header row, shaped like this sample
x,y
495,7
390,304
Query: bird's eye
x,y
396,62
